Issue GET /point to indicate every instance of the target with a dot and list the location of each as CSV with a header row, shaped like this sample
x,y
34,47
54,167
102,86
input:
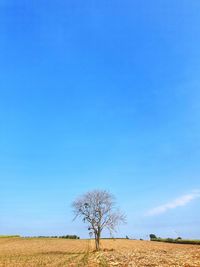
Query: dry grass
x,y
60,252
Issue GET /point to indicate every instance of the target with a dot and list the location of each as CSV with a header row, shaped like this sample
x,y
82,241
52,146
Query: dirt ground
x,y
62,252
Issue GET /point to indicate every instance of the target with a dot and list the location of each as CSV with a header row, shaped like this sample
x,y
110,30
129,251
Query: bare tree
x,y
97,208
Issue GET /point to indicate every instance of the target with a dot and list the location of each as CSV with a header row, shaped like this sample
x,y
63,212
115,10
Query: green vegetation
x,y
177,240
55,236
69,237
152,236
9,236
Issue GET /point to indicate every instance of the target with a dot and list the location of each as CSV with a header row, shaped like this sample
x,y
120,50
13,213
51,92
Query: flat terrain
x,y
62,252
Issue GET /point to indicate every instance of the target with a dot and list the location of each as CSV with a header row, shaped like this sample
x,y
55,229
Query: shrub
x,y
152,236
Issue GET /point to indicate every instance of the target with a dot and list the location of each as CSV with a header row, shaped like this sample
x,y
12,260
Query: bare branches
x,y
97,208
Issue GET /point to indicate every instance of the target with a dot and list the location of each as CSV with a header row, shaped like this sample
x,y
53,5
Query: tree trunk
x,y
97,240
97,244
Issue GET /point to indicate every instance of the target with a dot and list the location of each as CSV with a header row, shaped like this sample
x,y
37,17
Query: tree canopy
x,y
98,209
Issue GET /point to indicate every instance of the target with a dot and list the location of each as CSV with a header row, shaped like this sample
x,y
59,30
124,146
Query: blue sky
x,y
100,94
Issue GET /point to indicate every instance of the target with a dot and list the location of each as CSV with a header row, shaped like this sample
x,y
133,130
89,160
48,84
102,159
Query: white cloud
x,y
178,202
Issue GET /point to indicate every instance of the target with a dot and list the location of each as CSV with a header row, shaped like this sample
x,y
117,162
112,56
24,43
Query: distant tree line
x,y
69,236
9,236
55,236
177,240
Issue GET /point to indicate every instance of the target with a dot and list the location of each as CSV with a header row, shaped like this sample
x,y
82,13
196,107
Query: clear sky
x,y
100,94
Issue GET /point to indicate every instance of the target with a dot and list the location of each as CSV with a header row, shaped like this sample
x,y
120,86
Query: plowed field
x,y
61,252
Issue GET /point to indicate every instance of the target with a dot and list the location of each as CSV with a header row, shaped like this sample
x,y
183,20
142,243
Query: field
x,y
62,252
